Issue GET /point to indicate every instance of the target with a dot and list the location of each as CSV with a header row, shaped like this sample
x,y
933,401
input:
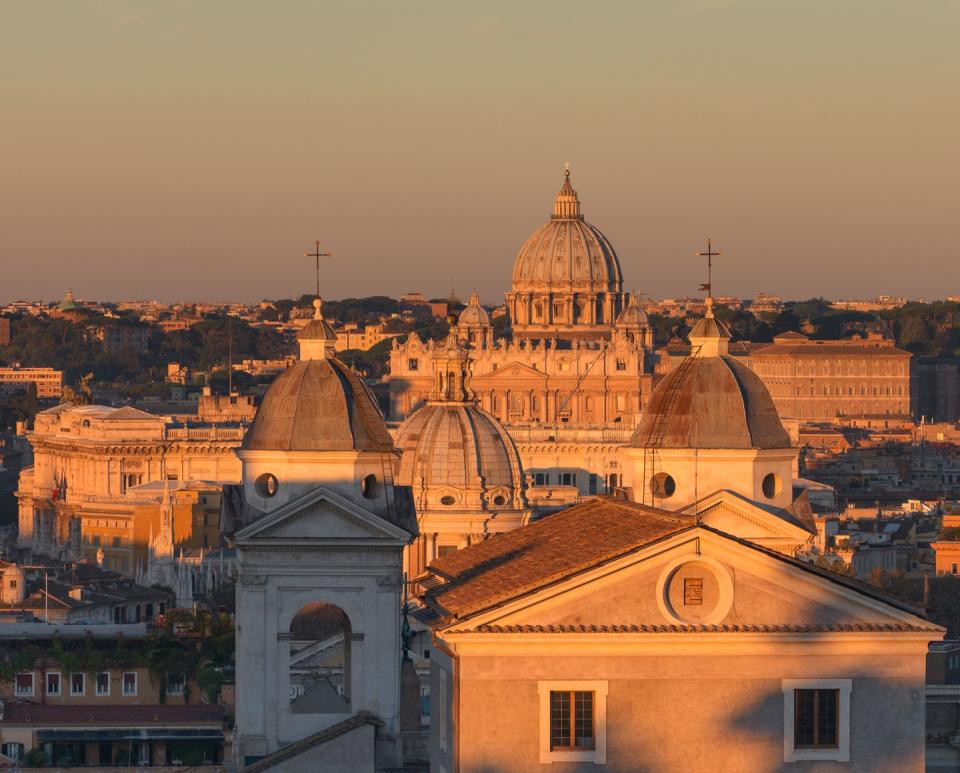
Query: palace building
x,y
93,483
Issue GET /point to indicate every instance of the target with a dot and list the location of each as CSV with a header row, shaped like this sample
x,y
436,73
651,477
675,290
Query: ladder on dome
x,y
386,465
658,429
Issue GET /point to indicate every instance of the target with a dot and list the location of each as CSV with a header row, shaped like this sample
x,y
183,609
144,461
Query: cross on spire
x,y
317,254
709,255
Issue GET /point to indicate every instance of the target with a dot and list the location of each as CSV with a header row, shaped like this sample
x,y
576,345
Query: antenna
x,y
229,356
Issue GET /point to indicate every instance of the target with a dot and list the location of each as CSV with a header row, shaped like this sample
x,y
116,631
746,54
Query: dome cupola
x,y
461,464
711,424
567,280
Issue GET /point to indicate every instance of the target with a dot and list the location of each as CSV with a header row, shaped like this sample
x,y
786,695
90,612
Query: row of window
x,y
838,391
108,542
816,713
24,683
831,369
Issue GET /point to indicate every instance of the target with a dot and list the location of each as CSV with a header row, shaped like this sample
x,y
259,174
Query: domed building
x,y
567,280
319,405
711,425
572,375
474,324
318,525
459,462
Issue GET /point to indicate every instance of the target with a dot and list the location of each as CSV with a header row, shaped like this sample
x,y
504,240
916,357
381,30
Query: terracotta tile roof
x,y
838,628
559,546
37,714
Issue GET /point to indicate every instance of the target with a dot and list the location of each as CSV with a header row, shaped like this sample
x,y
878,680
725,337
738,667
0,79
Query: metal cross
x,y
709,255
566,168
317,254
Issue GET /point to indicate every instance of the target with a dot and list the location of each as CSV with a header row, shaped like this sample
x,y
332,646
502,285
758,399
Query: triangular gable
x,y
509,372
734,514
766,592
317,517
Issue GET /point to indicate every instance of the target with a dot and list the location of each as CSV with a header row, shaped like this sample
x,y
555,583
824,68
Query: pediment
x,y
320,516
508,373
738,516
700,578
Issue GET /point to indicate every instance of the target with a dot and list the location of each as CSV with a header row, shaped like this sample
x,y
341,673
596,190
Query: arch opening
x,y
320,660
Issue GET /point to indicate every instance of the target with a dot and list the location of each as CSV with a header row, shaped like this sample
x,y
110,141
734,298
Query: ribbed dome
x,y
567,252
633,316
318,405
713,402
474,315
458,445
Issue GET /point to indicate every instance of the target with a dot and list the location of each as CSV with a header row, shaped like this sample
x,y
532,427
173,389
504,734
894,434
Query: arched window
x,y
320,644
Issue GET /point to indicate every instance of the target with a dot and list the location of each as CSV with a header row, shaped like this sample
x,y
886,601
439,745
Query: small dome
x,y
69,302
633,316
317,329
474,315
711,402
567,252
458,445
318,405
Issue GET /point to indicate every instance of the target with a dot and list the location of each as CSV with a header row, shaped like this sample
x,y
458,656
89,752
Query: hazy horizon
x,y
191,151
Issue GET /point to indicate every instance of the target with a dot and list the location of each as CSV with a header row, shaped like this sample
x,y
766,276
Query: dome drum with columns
x,y
580,354
567,280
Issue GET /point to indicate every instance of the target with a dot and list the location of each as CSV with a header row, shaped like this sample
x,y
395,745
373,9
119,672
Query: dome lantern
x,y
317,338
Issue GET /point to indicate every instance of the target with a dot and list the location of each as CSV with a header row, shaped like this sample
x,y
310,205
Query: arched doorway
x,y
320,638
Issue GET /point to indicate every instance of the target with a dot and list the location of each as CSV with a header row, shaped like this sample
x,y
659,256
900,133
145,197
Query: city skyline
x,y
153,148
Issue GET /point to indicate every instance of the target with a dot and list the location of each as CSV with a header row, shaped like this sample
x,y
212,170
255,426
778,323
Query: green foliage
x,y
20,406
950,535
36,757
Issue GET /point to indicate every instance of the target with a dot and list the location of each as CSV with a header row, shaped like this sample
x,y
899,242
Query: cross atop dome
x,y
567,206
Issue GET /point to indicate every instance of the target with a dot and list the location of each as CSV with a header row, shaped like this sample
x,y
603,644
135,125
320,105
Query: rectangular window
x,y
13,751
816,719
413,364
53,683
176,683
953,568
571,720
24,684
103,683
129,682
78,684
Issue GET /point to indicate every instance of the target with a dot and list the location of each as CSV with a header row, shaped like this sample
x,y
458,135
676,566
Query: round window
x,y
662,485
771,486
369,487
266,485
447,500
499,500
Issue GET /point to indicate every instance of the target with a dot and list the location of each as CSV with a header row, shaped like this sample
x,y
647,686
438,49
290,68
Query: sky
x,y
184,150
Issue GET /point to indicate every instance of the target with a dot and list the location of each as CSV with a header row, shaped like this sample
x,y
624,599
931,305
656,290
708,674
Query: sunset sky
x,y
194,150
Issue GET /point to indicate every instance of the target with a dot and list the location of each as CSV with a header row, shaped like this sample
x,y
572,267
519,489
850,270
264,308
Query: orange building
x,y
816,380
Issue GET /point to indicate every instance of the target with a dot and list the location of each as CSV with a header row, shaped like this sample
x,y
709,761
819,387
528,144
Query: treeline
x,y
926,329
61,344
